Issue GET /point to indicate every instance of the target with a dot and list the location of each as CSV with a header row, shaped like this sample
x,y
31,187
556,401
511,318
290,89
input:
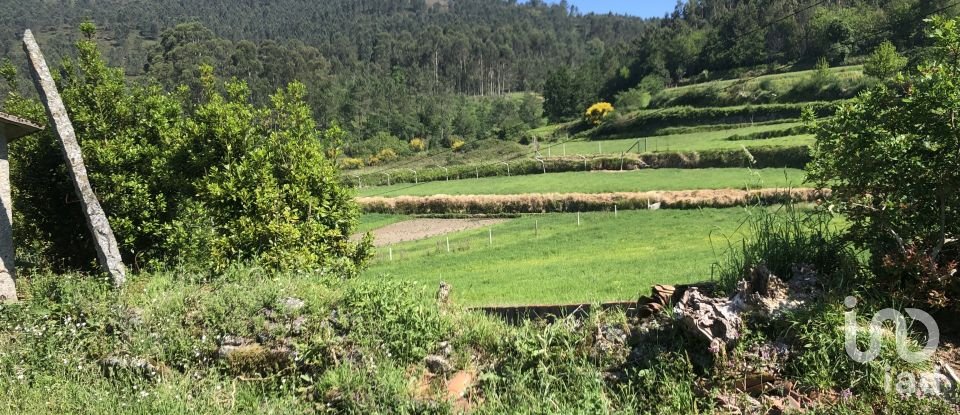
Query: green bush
x,y
884,62
205,183
891,158
632,99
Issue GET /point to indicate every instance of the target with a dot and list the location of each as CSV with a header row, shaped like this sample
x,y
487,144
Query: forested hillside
x,y
395,70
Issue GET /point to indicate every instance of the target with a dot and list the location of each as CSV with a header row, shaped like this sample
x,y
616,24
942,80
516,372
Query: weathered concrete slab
x,y
13,127
107,251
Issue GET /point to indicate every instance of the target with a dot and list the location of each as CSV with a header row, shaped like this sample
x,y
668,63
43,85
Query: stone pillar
x,y
108,252
8,290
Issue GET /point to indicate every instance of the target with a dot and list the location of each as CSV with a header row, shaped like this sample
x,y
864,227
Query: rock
x,y
437,364
712,319
445,349
660,297
443,293
664,296
134,365
769,297
663,293
296,326
134,317
230,340
610,339
334,319
291,304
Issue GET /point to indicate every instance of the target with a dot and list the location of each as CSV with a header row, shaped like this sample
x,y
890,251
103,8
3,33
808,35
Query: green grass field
x,y
602,182
371,221
549,259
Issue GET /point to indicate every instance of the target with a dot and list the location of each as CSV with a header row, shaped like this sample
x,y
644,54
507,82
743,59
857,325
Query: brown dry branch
x,y
583,202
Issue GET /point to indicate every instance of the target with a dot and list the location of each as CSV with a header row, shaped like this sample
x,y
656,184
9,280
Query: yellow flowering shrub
x,y
598,112
349,163
457,144
418,145
387,154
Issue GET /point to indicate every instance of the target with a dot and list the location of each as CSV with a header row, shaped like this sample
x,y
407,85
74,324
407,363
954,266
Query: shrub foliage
x,y
891,157
206,182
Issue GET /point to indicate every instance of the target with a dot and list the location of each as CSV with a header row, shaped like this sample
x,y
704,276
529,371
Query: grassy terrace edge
x,y
795,157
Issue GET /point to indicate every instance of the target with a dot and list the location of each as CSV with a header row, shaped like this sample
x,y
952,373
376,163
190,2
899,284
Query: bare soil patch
x,y
417,229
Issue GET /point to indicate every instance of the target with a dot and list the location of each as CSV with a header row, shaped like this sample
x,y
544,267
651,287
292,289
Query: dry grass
x,y
582,202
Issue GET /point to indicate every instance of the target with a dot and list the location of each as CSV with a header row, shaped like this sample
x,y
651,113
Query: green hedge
x,y
718,127
763,135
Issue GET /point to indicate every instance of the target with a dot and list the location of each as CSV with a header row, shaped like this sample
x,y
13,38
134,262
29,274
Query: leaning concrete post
x,y
107,251
10,128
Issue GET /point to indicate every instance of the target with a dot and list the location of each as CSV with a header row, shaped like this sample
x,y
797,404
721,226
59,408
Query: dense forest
x,y
389,71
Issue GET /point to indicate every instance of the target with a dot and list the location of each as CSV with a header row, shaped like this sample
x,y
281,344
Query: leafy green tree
x,y
892,157
207,183
563,96
530,110
271,194
884,62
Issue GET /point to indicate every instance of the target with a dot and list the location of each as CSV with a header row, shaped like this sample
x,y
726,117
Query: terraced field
x,y
601,253
698,141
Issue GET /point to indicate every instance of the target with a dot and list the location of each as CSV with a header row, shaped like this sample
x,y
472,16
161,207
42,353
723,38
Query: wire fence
x,y
528,228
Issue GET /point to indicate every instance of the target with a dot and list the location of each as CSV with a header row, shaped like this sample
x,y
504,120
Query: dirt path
x,y
416,229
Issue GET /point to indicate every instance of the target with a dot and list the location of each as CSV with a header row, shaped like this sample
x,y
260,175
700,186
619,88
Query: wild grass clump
x,y
786,237
783,238
159,346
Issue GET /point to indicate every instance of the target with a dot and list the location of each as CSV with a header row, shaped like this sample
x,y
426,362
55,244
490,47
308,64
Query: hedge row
x,y
581,202
763,135
647,122
718,127
758,157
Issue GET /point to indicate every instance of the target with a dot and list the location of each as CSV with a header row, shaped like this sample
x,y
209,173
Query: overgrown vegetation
x,y
891,159
311,342
244,298
206,183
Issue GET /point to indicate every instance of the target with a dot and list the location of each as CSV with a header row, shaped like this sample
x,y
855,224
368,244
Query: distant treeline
x,y
403,69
